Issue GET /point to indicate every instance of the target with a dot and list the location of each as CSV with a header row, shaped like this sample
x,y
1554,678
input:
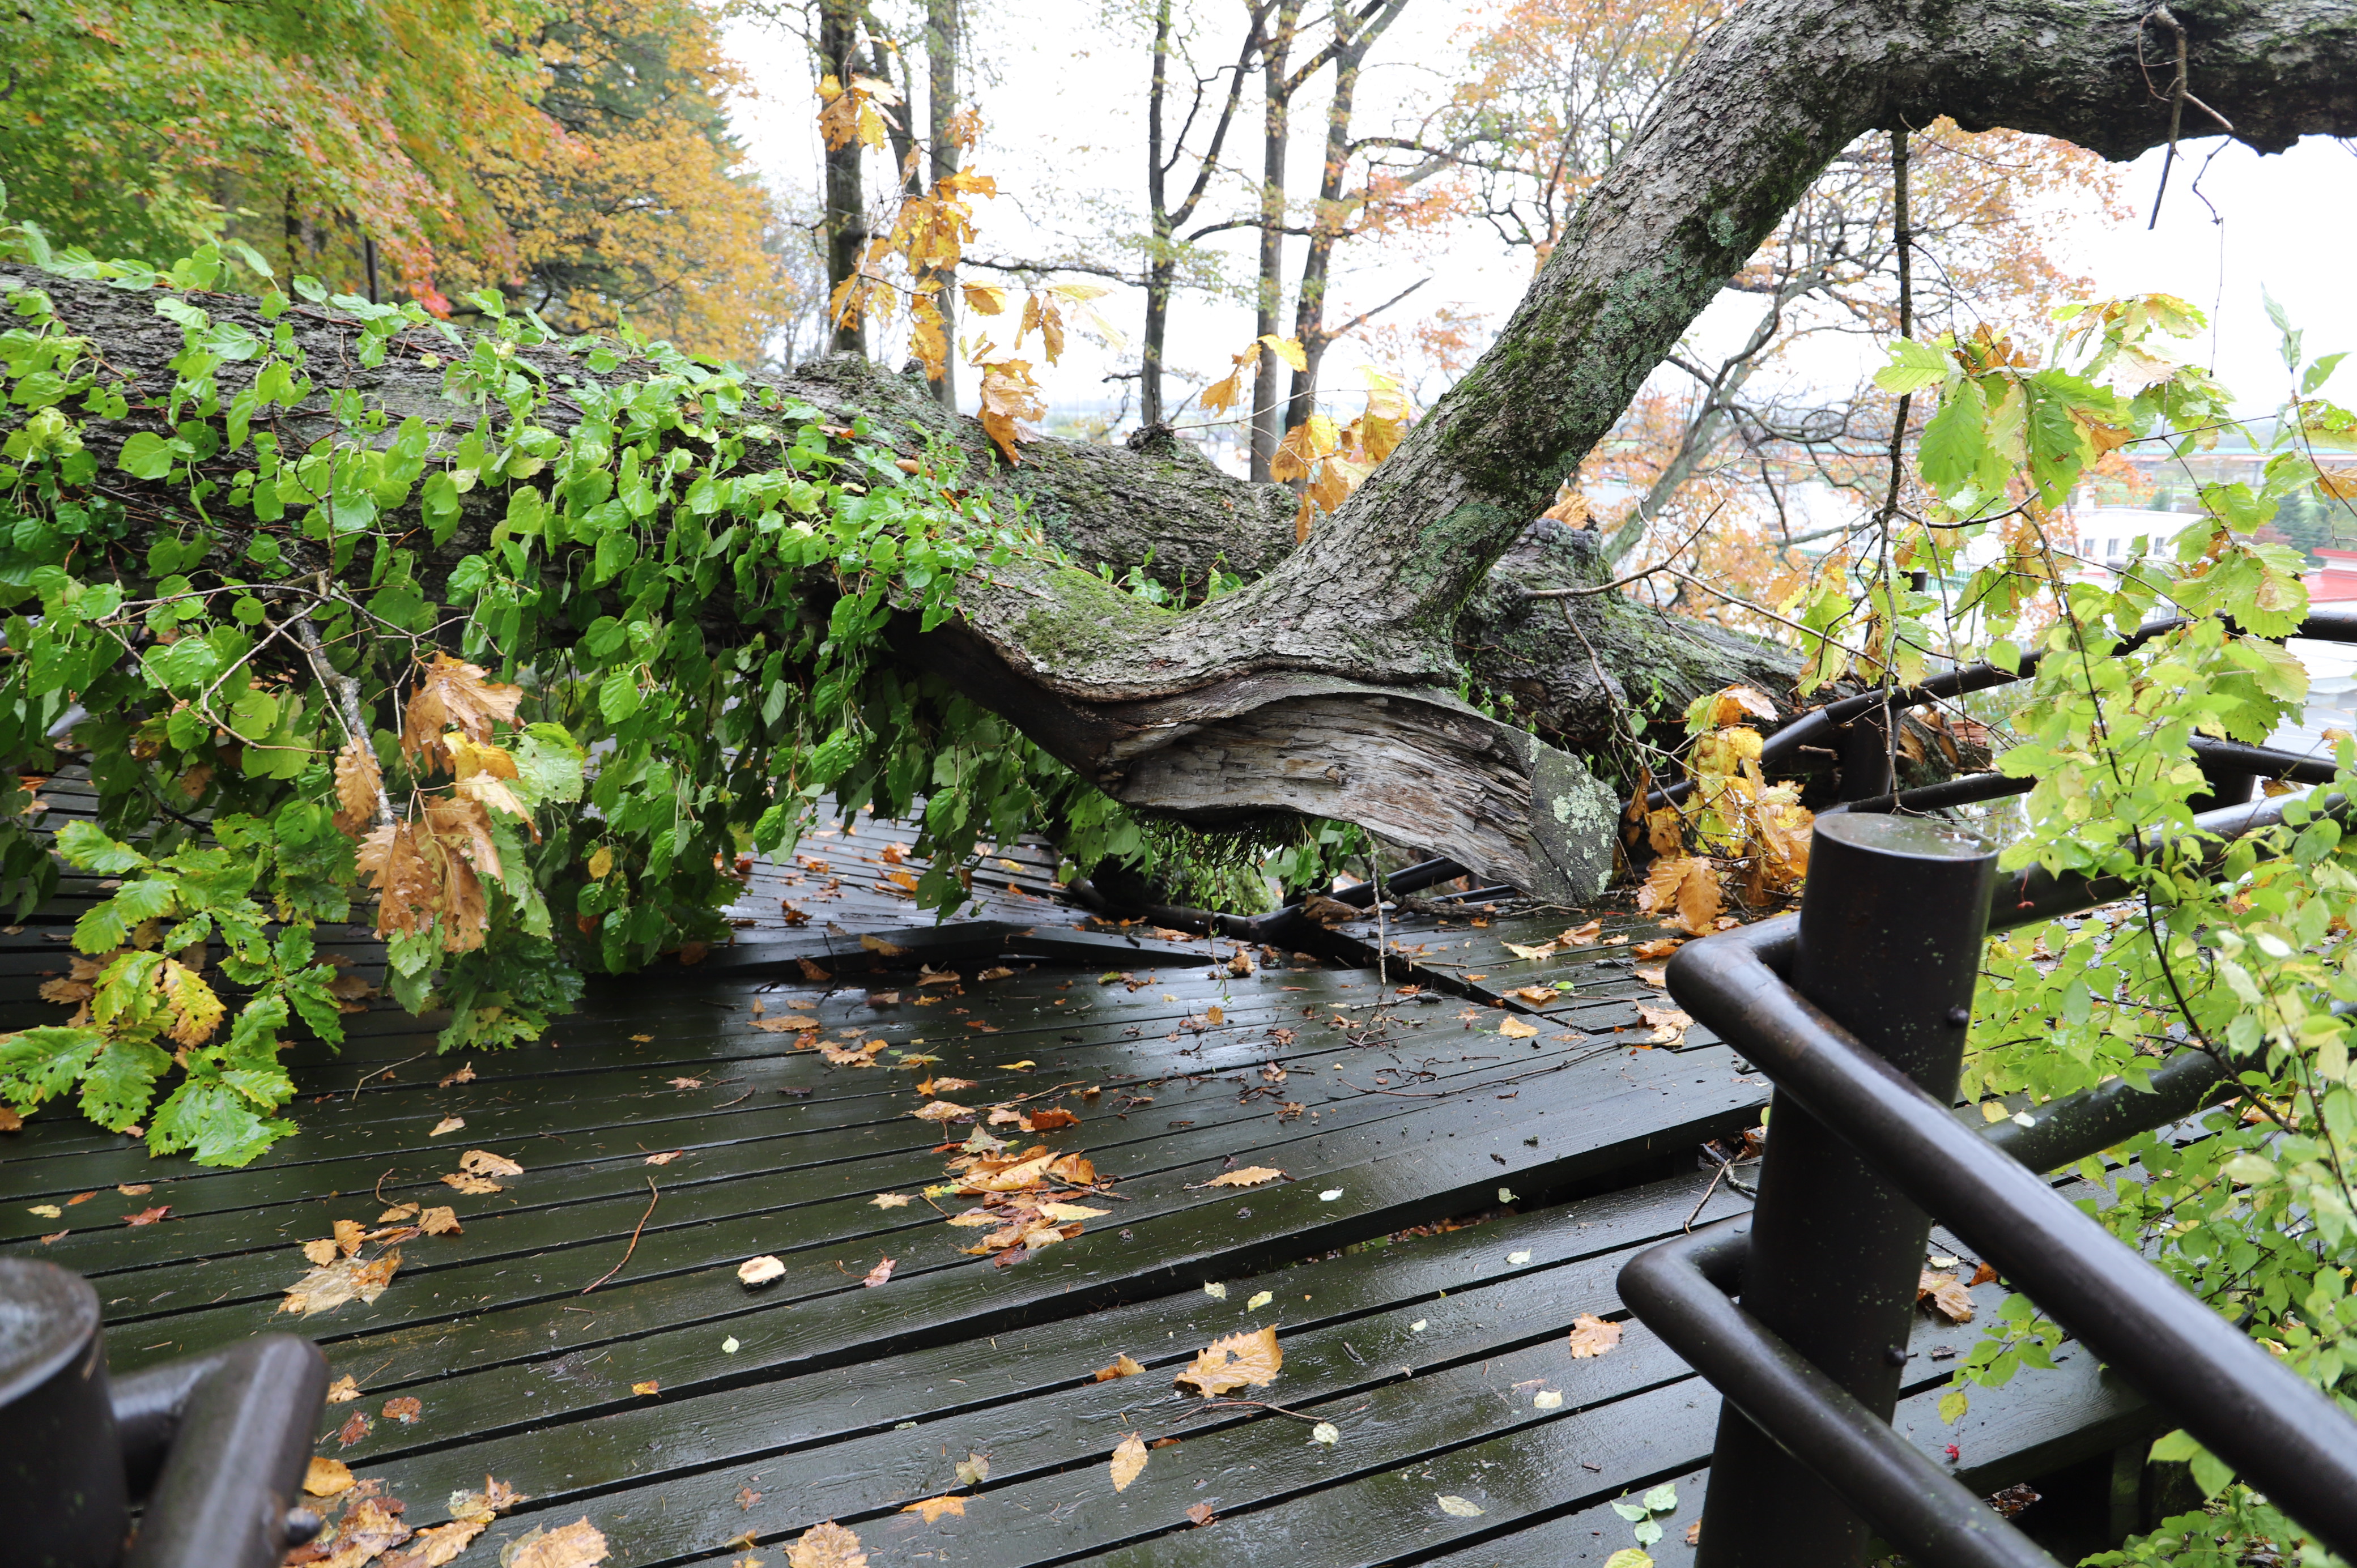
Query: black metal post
x,y
1890,933
60,1471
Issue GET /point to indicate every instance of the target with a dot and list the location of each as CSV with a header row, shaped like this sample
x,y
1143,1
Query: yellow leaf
x,y
1533,954
983,298
482,1162
1515,1029
326,1477
1946,1293
601,863
358,781
1128,1462
448,1125
827,1545
1123,1367
935,1507
1289,351
1230,1363
651,1387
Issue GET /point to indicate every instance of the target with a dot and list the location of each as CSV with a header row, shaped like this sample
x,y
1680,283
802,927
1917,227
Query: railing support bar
x,y
1891,926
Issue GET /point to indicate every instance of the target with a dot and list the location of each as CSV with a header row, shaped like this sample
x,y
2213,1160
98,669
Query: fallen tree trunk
x,y
1327,684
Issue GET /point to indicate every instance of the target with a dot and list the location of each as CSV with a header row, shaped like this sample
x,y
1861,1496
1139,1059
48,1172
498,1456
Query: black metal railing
x,y
214,1447
1856,1007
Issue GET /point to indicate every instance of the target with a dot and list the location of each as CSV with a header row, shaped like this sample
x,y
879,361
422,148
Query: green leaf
x,y
87,848
146,455
1662,1498
619,696
1952,1406
548,765
1954,439
40,1064
215,1122
120,1083
1913,366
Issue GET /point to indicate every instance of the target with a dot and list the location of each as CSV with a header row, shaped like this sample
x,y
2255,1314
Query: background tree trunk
x,y
846,207
940,107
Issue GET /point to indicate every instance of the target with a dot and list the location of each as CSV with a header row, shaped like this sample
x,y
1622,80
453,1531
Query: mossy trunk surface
x,y
1327,684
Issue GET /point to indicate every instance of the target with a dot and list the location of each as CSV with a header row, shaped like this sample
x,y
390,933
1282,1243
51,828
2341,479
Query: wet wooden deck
x,y
1454,1198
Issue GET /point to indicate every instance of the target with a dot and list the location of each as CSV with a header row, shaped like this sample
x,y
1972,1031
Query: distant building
x,y
2336,579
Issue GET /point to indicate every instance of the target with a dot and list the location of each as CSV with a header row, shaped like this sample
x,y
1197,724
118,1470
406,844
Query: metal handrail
x,y
2221,1385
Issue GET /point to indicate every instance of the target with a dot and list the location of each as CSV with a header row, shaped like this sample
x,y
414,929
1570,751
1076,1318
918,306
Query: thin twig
x,y
1255,1404
652,1198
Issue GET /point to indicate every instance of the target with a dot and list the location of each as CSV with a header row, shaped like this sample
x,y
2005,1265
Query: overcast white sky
x,y
1062,92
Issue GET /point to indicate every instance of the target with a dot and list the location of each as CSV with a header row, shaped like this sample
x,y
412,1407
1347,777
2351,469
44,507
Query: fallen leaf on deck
x,y
369,1527
788,1026
350,1234
1533,954
1660,947
1656,978
575,1545
482,1507
891,1200
879,946
323,1478
1591,1336
998,972
1201,1514
1326,1432
340,1281
927,975
47,1211
1216,1290
942,1110
472,1185
10,1121
666,1157
946,1085
827,1545
482,1162
1515,1029
1048,1121
1123,1367
687,1083
398,1212
433,1548
1983,1275
343,1390
322,1252
760,1271
878,1274
1259,1301
80,1197
1946,1293
1582,936
649,1389
354,1429
1548,1399
1675,1017
405,1409
974,1470
1018,1067
1215,1014
729,1347
135,1190
933,1508
1063,1213
1249,1176
147,1216
448,1125
1539,995
1630,1557
1230,1363
1128,1462
1459,1508
464,1075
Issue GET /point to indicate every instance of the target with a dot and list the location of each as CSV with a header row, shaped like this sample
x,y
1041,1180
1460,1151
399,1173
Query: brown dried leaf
x,y
473,1187
148,1216
1592,1336
356,1426
448,1125
1251,1356
1660,947
878,1274
1128,1462
398,1212
350,1234
453,695
575,1545
322,1252
433,1548
647,1390
760,1271
1582,936
405,1409
343,1390
827,1545
482,1162
1123,1367
358,781
369,1527
1946,1294
495,1499
1248,1176
1201,1514
440,1221
1048,1121
324,1289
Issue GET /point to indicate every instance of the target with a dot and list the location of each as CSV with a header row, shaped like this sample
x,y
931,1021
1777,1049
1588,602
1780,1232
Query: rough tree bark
x,y
1325,685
